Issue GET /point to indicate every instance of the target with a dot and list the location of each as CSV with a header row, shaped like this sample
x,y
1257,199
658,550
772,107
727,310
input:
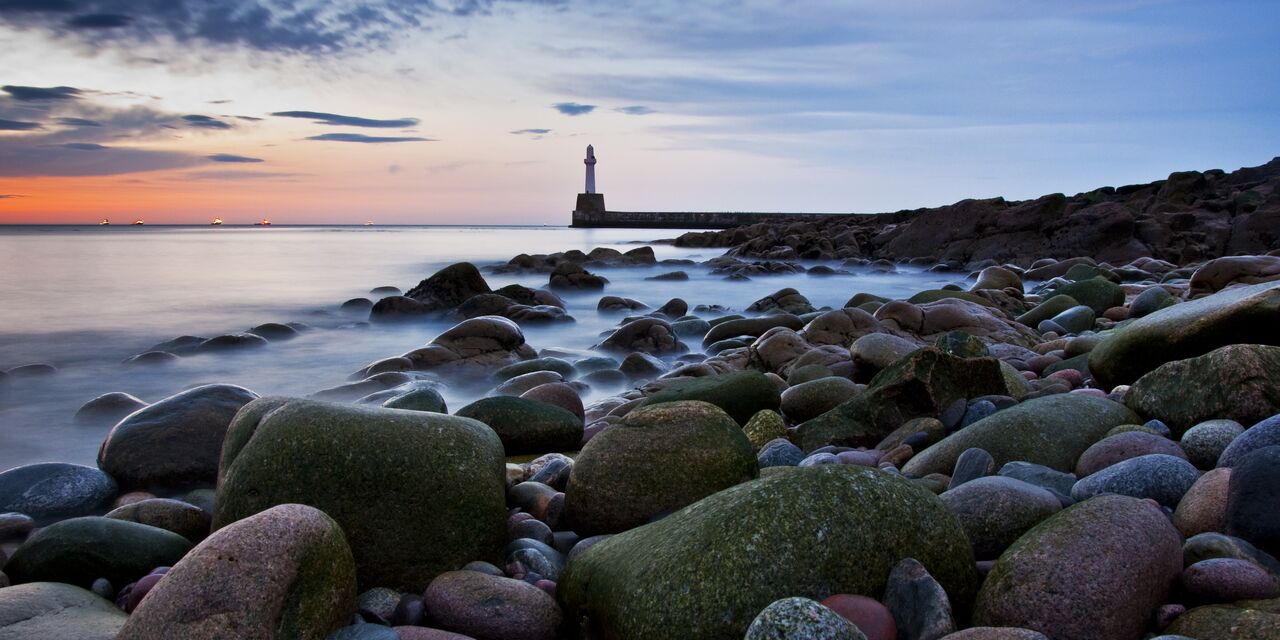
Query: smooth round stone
x,y
274,331
531,528
1162,478
356,305
1121,447
860,458
81,550
186,520
817,459
408,611
15,526
557,394
1204,546
996,633
558,365
1149,301
365,632
1077,319
56,611
1262,434
1205,442
1251,499
879,350
1204,507
808,373
491,608
811,399
422,399
779,453
919,605
1056,482
151,358
524,382
995,511
872,618
799,618
974,463
764,427
50,491
977,411
427,633
526,426
108,408
380,602
231,342
1228,580
31,371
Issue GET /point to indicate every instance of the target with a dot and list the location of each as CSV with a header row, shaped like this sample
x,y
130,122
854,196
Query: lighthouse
x,y
590,202
591,169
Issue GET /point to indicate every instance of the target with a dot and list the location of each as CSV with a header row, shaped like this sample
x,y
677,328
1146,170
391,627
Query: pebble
x,y
974,463
801,618
919,605
1227,580
872,618
1205,442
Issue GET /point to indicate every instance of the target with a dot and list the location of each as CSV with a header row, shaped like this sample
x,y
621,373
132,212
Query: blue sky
x,y
479,110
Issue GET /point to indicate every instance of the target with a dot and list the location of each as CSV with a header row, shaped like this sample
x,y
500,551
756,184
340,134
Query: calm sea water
x,y
85,298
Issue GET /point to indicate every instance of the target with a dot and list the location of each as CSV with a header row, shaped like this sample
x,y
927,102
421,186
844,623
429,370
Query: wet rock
x,y
81,550
740,394
448,287
59,611
809,400
972,464
558,365
381,474
1047,309
51,491
1099,294
753,327
929,320
652,336
1216,275
815,531
357,305
877,351
1098,569
526,426
274,332
474,346
995,511
108,408
151,358
420,399
284,573
779,453
31,371
491,608
570,276
1160,477
231,342
787,300
616,303
1150,301
1239,382
1123,446
558,394
1187,330
1221,621
175,442
997,278
524,382
186,520
1204,546
794,618
1051,431
920,608
624,476
671,276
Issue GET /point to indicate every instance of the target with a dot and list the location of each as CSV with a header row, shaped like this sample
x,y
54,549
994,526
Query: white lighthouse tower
x,y
591,169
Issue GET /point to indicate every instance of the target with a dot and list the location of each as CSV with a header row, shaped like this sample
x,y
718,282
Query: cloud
x,y
234,175
348,121
84,146
78,122
637,110
10,196
283,26
205,122
248,118
531,132
359,137
230,157
25,160
18,125
36,94
573,108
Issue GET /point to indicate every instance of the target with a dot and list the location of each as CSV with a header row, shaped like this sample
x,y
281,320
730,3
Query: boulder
x,y
1048,309
1098,569
1226,622
1238,382
919,605
652,336
417,493
56,611
740,394
764,427
108,408
929,320
449,287
753,327
1205,442
786,300
174,443
1150,301
876,351
1264,434
487,607
656,460
997,278
1052,431
1217,274
1121,447
840,327
996,510
1096,293
473,347
571,276
51,491
809,400
186,520
81,550
1251,499
1246,315
796,618
419,399
526,426
284,573
813,532
1160,477
923,383
1204,506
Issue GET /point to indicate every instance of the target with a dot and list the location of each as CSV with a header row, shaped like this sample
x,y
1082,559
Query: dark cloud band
x,y
320,117
359,137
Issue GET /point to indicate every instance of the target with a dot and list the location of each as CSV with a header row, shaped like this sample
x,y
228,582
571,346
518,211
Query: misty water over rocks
x,y
85,299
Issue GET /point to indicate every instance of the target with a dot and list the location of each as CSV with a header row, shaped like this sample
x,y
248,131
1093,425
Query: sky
x,y
479,111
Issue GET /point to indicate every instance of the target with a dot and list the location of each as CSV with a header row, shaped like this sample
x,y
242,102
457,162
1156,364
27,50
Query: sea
x,y
85,298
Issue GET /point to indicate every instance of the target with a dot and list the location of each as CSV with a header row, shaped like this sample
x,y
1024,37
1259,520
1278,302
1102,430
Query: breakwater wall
x,y
684,219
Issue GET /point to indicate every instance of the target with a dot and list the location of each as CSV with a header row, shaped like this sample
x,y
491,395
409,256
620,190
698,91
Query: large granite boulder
x,y
754,327
1160,477
449,287
1052,431
281,574
656,460
653,336
488,607
182,518
174,443
526,426
474,347
930,320
1239,382
56,611
740,394
995,511
707,570
1098,569
50,491
923,383
81,550
786,300
1246,314
108,408
417,493
1217,274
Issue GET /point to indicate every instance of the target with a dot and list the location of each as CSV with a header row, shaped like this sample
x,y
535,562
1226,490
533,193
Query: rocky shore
x,y
1077,446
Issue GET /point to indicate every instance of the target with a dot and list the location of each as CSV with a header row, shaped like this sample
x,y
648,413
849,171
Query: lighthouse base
x,y
590,203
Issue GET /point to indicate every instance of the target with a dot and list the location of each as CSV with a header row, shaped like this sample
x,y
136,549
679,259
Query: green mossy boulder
x,y
764,426
1238,382
923,383
1240,315
1047,309
740,394
657,460
81,550
1052,431
1227,622
707,570
416,493
526,426
1098,294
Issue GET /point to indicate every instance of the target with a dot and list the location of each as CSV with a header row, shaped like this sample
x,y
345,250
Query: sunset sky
x,y
479,111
